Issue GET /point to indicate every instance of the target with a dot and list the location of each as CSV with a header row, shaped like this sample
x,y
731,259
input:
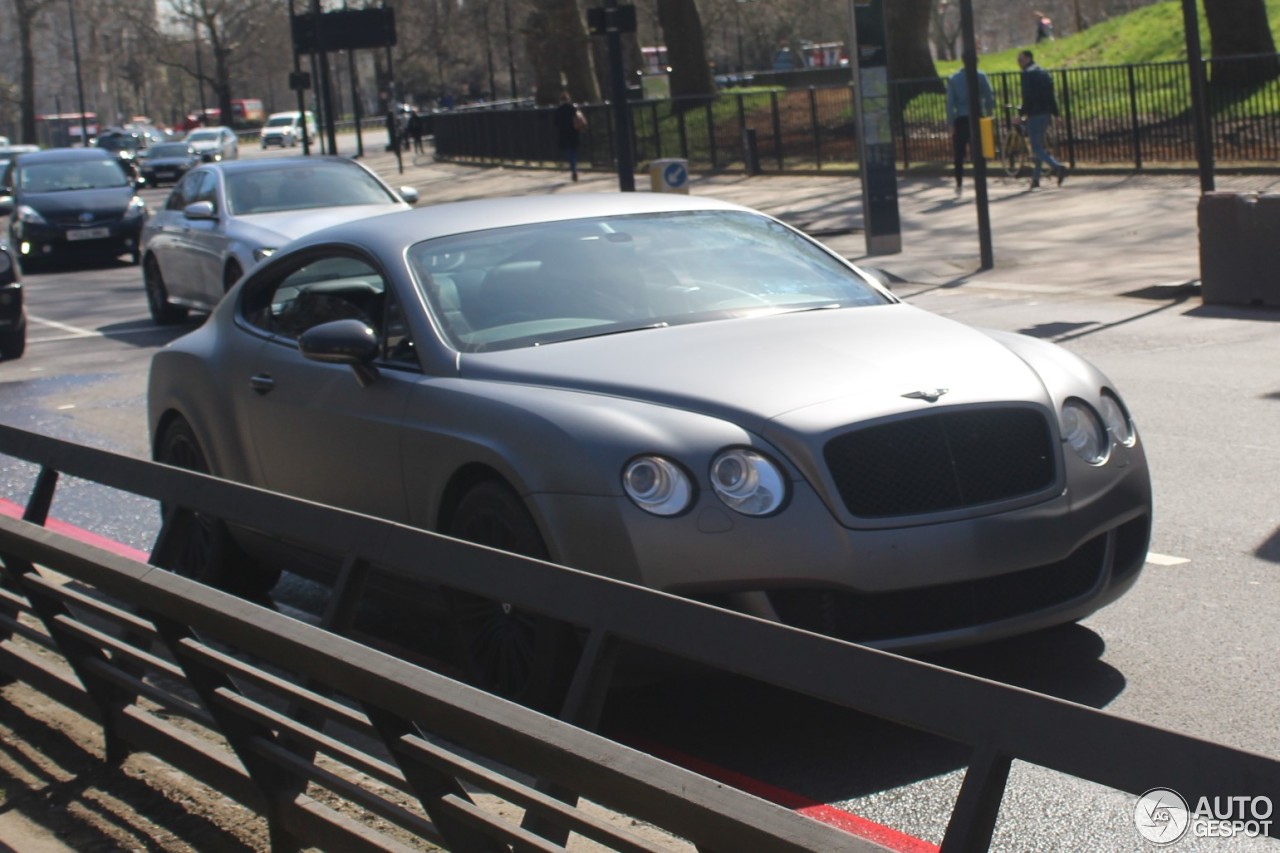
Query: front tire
x,y
13,344
201,546
521,656
162,311
231,275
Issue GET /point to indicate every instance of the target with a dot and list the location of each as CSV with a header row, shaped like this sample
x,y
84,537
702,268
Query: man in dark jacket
x,y
1039,106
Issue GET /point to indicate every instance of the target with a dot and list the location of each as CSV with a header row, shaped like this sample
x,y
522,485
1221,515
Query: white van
x,y
285,129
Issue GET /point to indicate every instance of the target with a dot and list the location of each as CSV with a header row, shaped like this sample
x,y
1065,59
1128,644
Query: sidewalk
x,y
1101,234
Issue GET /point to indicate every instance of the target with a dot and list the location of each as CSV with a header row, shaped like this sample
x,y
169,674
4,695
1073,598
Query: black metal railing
x,y
1136,116
305,710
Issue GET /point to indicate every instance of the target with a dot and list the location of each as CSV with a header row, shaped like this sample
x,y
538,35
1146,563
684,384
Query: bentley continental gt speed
x,y
678,392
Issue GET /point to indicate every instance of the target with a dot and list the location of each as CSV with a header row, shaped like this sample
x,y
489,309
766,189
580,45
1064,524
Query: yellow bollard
x,y
987,130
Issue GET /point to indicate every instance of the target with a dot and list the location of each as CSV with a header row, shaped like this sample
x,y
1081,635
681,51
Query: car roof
x,y
389,232
58,155
275,164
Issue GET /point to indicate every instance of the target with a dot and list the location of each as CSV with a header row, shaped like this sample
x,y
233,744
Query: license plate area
x,y
88,233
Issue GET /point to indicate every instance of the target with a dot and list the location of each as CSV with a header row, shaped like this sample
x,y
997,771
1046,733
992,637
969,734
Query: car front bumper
x,y
47,241
929,586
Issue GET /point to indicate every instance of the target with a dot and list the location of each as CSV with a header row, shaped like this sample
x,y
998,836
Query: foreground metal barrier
x,y
295,718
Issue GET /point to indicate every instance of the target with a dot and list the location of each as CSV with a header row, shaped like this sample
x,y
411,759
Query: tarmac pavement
x,y
1103,234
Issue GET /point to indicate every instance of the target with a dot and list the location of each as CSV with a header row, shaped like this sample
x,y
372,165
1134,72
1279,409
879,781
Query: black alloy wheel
x,y
521,656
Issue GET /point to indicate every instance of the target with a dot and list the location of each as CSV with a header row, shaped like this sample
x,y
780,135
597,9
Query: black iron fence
x,y
1136,116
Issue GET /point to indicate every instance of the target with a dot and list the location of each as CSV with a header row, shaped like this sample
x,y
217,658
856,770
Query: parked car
x,y
167,162
72,200
13,315
285,129
214,144
673,391
8,152
223,218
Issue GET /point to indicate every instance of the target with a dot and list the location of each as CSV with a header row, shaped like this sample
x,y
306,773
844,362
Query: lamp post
x,y
195,40
75,55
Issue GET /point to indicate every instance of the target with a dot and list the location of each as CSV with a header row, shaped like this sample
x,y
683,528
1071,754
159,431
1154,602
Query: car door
x,y
207,240
168,238
318,432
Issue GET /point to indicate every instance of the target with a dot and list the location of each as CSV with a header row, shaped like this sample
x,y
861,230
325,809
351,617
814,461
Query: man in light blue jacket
x,y
958,115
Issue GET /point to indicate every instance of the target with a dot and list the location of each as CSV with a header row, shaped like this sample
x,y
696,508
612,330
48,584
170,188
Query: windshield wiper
x,y
661,324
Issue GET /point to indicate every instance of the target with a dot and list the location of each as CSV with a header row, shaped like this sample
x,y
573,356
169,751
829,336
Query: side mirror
x,y
409,194
199,210
349,342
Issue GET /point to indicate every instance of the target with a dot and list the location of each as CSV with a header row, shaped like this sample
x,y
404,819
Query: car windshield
x,y
170,149
279,121
313,184
538,284
72,175
203,136
119,143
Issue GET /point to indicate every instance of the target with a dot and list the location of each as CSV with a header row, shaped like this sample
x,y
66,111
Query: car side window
x,y
325,289
184,193
207,189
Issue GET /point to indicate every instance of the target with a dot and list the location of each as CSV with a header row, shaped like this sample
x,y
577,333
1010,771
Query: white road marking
x,y
75,331
1165,560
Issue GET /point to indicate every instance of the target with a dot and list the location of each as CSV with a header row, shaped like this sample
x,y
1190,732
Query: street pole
x,y
1199,115
75,54
511,61
326,95
621,109
985,252
297,75
195,40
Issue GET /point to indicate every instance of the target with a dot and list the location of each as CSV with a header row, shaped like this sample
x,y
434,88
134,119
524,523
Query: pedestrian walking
x,y
1039,107
958,116
570,122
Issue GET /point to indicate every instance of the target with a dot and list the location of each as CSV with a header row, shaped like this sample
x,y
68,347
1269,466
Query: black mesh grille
x,y
949,607
941,461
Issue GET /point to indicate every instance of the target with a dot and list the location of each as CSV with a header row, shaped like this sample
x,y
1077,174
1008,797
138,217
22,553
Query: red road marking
x,y
13,510
885,836
851,823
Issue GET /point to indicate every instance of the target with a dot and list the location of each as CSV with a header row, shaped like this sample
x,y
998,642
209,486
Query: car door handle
x,y
262,383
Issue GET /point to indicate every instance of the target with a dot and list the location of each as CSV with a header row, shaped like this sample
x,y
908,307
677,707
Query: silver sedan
x,y
223,218
676,392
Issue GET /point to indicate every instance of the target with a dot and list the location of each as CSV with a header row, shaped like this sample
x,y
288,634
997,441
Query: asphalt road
x,y
1193,647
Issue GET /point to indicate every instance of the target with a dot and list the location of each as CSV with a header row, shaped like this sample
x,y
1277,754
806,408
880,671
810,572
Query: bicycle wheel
x,y
1014,154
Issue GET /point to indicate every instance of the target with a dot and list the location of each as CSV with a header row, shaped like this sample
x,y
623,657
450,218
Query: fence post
x,y
777,129
711,135
813,124
1067,118
684,138
1133,117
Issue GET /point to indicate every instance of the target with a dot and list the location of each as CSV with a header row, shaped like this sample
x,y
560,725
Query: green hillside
x,y
1151,34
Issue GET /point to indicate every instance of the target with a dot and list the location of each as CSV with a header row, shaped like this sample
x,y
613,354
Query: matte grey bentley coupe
x,y
678,392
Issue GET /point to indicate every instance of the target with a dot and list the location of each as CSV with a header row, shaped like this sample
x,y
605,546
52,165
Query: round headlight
x,y
748,482
1083,430
1117,420
657,485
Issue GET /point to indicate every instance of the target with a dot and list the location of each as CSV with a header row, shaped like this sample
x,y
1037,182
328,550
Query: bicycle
x,y
1015,151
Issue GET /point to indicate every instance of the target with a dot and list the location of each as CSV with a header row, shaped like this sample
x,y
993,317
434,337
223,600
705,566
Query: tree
x,y
907,25
26,12
560,50
1239,28
686,48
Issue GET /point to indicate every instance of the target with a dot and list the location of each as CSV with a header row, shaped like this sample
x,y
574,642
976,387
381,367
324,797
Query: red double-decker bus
x,y
61,130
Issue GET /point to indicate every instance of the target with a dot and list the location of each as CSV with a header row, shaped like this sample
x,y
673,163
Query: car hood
x,y
807,371
276,229
207,145
109,200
